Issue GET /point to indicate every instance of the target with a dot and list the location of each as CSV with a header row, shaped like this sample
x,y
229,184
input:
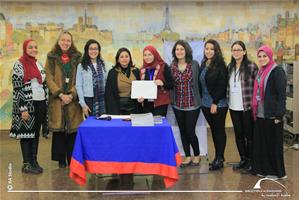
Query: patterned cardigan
x,y
246,85
22,101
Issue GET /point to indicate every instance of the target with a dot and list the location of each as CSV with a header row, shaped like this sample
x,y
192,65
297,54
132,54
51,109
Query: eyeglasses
x,y
237,50
93,49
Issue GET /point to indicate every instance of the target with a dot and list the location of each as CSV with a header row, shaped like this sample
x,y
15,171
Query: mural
x,y
135,25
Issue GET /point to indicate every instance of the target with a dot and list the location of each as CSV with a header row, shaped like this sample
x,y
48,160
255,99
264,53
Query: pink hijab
x,y
262,74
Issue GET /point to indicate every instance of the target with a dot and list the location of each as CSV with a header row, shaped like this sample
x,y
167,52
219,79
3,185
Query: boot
x,y
217,164
34,162
62,164
241,164
29,169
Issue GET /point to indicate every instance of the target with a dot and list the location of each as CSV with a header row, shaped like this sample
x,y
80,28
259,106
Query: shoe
x,y
195,161
213,162
36,165
218,164
273,177
29,169
187,162
240,165
61,164
283,177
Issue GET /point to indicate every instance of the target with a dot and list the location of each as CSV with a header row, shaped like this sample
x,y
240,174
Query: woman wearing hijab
x,y
65,113
268,108
29,105
90,80
155,69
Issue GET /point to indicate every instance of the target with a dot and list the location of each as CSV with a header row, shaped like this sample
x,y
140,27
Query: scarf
x,y
31,70
98,88
258,88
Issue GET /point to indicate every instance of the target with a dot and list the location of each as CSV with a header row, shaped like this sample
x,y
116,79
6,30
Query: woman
x,y
268,108
118,85
90,81
29,105
154,68
185,98
65,113
242,73
212,85
118,95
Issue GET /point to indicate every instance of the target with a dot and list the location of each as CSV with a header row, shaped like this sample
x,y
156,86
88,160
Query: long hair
x,y
86,58
217,59
187,48
245,62
72,50
117,64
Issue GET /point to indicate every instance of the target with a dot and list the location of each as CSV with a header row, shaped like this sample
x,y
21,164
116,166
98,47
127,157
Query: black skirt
x,y
268,148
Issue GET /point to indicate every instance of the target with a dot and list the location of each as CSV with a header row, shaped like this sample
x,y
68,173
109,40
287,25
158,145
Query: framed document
x,y
145,89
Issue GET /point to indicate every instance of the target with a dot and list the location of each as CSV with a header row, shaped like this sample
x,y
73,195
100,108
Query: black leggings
x,y
243,128
217,125
160,110
187,123
29,146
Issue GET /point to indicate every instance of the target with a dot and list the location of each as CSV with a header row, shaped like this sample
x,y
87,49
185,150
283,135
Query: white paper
x,y
145,89
116,116
145,119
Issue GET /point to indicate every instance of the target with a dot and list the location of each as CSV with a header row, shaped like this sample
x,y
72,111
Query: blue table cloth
x,y
115,146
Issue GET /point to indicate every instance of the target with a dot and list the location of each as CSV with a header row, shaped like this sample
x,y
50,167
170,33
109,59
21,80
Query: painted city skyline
x,y
135,25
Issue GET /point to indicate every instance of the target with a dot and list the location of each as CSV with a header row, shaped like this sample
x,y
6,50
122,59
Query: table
x,y
115,147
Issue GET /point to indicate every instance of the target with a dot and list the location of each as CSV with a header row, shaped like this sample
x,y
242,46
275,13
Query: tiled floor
x,y
194,183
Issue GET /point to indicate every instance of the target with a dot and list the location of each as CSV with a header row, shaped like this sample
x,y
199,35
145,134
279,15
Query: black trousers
x,y
243,127
89,103
62,146
29,146
187,123
217,124
268,148
160,110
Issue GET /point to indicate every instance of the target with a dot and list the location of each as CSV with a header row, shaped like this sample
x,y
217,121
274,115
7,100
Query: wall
x,y
134,25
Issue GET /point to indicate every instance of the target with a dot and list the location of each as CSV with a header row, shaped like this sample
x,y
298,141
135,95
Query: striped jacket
x,y
246,84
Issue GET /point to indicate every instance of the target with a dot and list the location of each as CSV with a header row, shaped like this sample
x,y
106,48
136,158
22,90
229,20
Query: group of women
x,y
70,87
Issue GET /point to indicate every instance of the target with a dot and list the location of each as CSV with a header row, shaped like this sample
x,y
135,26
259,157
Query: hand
x,y
213,108
159,82
25,115
277,121
86,110
140,100
66,99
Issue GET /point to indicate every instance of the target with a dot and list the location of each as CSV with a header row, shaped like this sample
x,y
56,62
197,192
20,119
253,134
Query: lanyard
x,y
151,73
236,72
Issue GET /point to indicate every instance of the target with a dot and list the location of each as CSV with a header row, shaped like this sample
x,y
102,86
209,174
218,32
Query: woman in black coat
x,y
213,78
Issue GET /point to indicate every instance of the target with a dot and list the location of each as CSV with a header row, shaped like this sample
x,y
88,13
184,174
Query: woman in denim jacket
x,y
90,80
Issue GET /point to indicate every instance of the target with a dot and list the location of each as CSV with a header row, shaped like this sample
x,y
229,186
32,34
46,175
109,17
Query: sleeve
x,y
220,91
109,93
168,84
280,84
18,85
79,85
50,74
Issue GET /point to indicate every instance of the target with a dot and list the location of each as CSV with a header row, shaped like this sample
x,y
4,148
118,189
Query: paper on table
x,y
117,116
145,89
145,119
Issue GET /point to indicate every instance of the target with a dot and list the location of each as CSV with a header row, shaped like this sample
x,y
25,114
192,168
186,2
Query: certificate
x,y
145,89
